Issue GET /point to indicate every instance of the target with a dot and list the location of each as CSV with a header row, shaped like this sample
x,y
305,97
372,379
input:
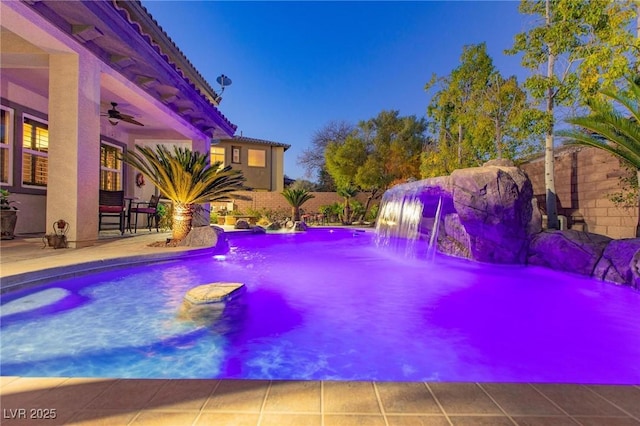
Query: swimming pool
x,y
327,305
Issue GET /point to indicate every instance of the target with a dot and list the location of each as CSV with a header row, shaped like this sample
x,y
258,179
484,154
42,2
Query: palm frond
x,y
607,128
184,176
297,197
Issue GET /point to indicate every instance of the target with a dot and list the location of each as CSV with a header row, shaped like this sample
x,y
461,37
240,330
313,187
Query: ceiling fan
x,y
116,116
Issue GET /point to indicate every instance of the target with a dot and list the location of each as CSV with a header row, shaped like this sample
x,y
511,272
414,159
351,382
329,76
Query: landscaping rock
x,y
242,224
201,236
535,224
273,226
494,207
620,263
571,251
258,230
300,226
486,212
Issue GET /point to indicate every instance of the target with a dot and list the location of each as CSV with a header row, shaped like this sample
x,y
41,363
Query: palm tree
x,y
616,131
186,178
296,197
348,192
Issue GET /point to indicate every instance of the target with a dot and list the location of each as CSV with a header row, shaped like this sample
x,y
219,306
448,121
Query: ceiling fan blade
x,y
129,119
114,114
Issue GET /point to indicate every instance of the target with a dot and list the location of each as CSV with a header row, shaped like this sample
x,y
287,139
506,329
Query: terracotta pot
x,y
229,220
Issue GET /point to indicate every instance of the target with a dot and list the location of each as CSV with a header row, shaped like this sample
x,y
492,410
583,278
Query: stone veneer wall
x,y
274,200
584,179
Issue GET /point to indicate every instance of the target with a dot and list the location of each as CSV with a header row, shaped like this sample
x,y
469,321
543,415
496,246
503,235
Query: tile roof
x,y
258,141
170,52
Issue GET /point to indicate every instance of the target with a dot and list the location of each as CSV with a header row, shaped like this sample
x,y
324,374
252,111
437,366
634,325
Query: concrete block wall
x,y
585,178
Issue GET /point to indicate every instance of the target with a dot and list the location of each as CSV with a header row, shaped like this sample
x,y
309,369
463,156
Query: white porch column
x,y
74,146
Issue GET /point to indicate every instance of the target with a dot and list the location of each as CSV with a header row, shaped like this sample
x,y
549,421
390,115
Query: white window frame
x,y
33,152
264,153
8,146
109,169
235,155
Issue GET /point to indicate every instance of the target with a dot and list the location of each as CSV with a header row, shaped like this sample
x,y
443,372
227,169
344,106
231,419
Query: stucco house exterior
x,y
261,161
63,64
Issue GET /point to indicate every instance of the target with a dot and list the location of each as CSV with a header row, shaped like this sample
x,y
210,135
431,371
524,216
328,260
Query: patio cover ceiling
x,y
125,37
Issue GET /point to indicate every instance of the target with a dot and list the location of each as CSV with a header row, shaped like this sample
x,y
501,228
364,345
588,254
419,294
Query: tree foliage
x,y
381,151
613,125
313,159
184,177
612,128
296,197
476,114
574,48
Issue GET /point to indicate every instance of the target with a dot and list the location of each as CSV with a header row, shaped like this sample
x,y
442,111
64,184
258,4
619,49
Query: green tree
x,y
184,177
561,50
381,151
514,122
348,192
612,126
296,197
476,114
454,123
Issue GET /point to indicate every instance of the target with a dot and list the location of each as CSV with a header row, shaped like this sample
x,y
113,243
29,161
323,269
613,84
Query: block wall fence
x,y
585,178
274,200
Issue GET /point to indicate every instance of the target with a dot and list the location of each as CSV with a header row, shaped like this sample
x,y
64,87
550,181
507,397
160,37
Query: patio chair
x,y
149,208
112,204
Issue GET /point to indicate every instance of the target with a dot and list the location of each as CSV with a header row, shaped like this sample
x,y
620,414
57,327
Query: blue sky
x,y
296,66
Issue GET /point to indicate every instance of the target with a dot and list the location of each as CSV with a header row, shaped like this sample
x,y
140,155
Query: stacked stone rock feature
x,y
620,263
486,212
489,215
494,207
571,251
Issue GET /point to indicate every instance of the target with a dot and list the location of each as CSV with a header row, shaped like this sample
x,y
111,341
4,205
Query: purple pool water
x,y
328,305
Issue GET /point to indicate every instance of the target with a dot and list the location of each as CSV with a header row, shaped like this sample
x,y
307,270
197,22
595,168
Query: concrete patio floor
x,y
88,401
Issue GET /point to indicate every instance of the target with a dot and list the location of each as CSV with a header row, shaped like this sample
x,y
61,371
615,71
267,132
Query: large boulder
x,y
242,224
204,236
494,207
571,251
620,263
485,213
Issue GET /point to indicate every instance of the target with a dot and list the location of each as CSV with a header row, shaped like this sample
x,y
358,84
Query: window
x,y
217,156
6,145
256,157
35,151
235,157
110,167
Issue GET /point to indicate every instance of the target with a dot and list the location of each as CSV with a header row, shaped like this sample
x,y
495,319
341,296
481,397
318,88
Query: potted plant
x,y
222,214
8,215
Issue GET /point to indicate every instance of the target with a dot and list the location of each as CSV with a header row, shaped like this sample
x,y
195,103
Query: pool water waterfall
x,y
433,239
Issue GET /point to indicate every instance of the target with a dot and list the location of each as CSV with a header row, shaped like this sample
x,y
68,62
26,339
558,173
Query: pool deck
x,y
89,401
